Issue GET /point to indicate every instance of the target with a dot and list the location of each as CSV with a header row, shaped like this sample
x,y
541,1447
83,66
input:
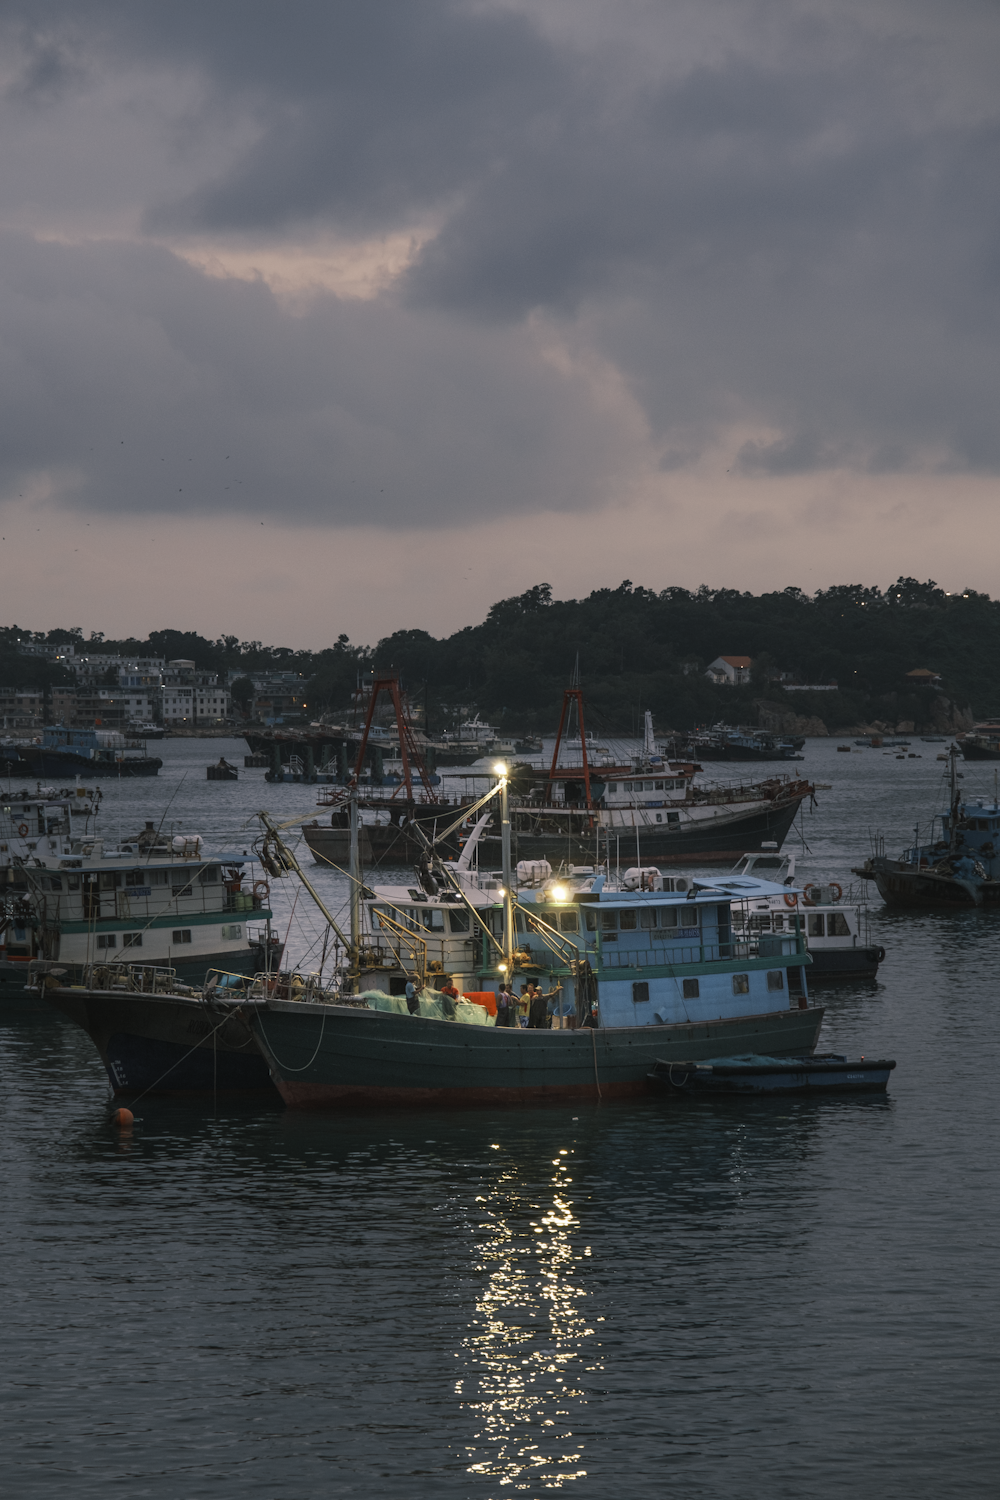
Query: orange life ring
x,y
791,899
261,889
22,829
836,891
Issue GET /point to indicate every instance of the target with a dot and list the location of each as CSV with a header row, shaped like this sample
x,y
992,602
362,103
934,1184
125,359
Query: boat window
x,y
815,920
982,825
657,786
495,918
691,990
775,980
233,931
131,939
777,922
519,925
433,918
612,786
627,786
73,882
459,920
157,877
640,992
673,817
590,917
569,921
109,880
135,877
741,984
837,925
627,921
666,916
209,875
183,935
51,883
647,917
107,940
609,921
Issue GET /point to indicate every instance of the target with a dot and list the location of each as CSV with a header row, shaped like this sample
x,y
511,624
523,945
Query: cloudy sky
x,y
358,315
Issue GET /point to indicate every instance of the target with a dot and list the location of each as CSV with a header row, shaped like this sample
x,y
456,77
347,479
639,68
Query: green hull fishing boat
x,y
647,971
333,1056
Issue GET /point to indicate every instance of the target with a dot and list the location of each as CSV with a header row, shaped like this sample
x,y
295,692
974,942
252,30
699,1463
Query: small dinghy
x,y
827,1073
223,771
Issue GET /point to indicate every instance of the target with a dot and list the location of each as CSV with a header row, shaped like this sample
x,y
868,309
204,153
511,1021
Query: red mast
x,y
408,752
570,695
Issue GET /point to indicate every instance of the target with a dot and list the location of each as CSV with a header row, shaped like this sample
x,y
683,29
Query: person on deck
x,y
448,988
506,1007
538,1007
412,1003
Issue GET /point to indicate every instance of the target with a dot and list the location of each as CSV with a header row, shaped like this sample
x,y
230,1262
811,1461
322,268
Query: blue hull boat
x,y
752,1074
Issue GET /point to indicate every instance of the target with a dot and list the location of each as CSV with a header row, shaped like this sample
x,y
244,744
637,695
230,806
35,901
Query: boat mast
x,y
355,874
286,861
953,830
508,874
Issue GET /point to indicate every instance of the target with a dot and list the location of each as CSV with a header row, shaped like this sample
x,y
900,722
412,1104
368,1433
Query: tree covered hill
x,y
637,649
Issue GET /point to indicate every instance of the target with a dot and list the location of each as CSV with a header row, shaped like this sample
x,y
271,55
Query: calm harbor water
x,y
663,1297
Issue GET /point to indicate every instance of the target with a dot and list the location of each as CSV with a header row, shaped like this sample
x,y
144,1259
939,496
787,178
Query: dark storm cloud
x,y
131,382
794,231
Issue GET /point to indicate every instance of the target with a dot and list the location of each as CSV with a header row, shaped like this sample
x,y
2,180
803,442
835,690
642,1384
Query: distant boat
x,y
959,869
222,771
981,743
84,752
723,742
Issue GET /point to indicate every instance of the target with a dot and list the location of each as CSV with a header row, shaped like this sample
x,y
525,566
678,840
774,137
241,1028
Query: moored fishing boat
x,y
155,1034
835,921
70,897
725,742
961,868
85,752
982,742
638,974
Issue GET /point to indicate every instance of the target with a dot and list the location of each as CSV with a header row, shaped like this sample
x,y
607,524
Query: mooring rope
x,y
280,1065
177,1064
593,1038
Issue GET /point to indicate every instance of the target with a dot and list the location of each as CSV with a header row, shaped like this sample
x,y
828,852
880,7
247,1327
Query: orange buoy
x,y
123,1118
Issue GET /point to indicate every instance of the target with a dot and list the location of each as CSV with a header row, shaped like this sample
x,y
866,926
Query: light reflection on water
x,y
528,1339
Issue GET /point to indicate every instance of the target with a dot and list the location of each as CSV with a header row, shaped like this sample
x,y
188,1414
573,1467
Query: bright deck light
x,y
560,892
500,769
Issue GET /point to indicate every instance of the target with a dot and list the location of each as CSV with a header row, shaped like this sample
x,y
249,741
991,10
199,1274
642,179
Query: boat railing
x,y
702,953
143,979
